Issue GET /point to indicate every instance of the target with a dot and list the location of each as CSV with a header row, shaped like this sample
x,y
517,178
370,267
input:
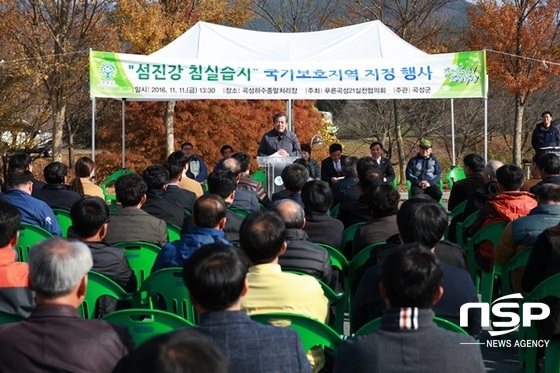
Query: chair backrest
x,y
165,289
98,286
375,324
348,235
361,258
7,318
465,224
141,257
311,332
111,178
338,260
144,324
173,232
458,209
518,261
260,176
240,212
335,210
29,235
491,232
455,174
64,220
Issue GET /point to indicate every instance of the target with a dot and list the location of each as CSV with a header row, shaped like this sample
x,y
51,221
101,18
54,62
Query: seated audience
x,y
82,183
32,210
423,221
227,152
424,172
301,254
131,223
509,204
185,182
408,340
244,199
549,169
209,218
179,352
15,296
473,165
348,188
197,169
312,165
55,338
263,240
156,178
90,218
245,181
384,164
22,161
383,202
535,174
331,167
523,232
319,225
174,193
216,276
55,193
294,177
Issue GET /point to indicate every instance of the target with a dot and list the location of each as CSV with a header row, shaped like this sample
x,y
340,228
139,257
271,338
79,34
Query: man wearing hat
x,y
423,172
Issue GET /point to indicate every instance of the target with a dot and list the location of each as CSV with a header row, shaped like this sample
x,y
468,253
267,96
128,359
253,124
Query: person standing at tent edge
x,y
545,133
279,139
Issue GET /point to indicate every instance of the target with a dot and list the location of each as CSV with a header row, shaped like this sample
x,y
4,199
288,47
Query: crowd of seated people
x,y
227,242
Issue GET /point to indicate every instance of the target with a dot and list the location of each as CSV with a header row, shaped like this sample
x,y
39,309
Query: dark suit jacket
x,y
57,196
163,209
248,344
387,171
328,171
246,200
182,197
322,228
463,189
56,339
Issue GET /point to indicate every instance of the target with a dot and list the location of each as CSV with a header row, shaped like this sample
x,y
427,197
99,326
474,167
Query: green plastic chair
x,y
29,235
144,324
455,174
493,233
165,289
456,211
98,286
409,185
528,355
375,324
64,220
348,235
141,257
336,299
338,260
464,225
240,212
260,176
335,210
518,261
112,178
311,332
173,232
8,318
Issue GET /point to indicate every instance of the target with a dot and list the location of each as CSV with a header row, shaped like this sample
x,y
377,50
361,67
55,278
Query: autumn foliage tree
x,y
526,35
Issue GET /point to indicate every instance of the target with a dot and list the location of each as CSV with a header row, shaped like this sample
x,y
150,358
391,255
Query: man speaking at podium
x,y
279,140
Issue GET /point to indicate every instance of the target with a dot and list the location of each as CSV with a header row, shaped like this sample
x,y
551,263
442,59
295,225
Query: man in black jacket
x,y
55,193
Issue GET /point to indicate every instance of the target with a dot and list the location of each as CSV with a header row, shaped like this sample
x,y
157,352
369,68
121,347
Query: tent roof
x,y
369,40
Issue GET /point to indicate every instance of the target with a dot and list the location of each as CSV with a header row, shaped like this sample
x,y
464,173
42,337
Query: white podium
x,y
273,167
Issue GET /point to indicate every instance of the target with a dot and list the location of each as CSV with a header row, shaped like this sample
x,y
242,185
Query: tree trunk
x,y
518,132
70,145
58,115
168,123
400,147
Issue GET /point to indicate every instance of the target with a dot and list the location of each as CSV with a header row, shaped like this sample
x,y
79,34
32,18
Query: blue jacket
x,y
33,211
526,229
420,168
195,162
175,253
543,137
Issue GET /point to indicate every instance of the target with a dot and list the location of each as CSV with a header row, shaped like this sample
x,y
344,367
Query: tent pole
x,y
453,132
123,134
485,129
93,129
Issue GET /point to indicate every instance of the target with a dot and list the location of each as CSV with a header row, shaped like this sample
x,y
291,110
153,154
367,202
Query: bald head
x,y
209,211
291,213
232,165
490,170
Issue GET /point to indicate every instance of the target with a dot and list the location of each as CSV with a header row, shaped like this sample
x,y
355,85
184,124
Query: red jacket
x,y
15,296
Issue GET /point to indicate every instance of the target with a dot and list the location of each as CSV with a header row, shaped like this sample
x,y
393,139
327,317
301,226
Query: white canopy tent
x,y
363,61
